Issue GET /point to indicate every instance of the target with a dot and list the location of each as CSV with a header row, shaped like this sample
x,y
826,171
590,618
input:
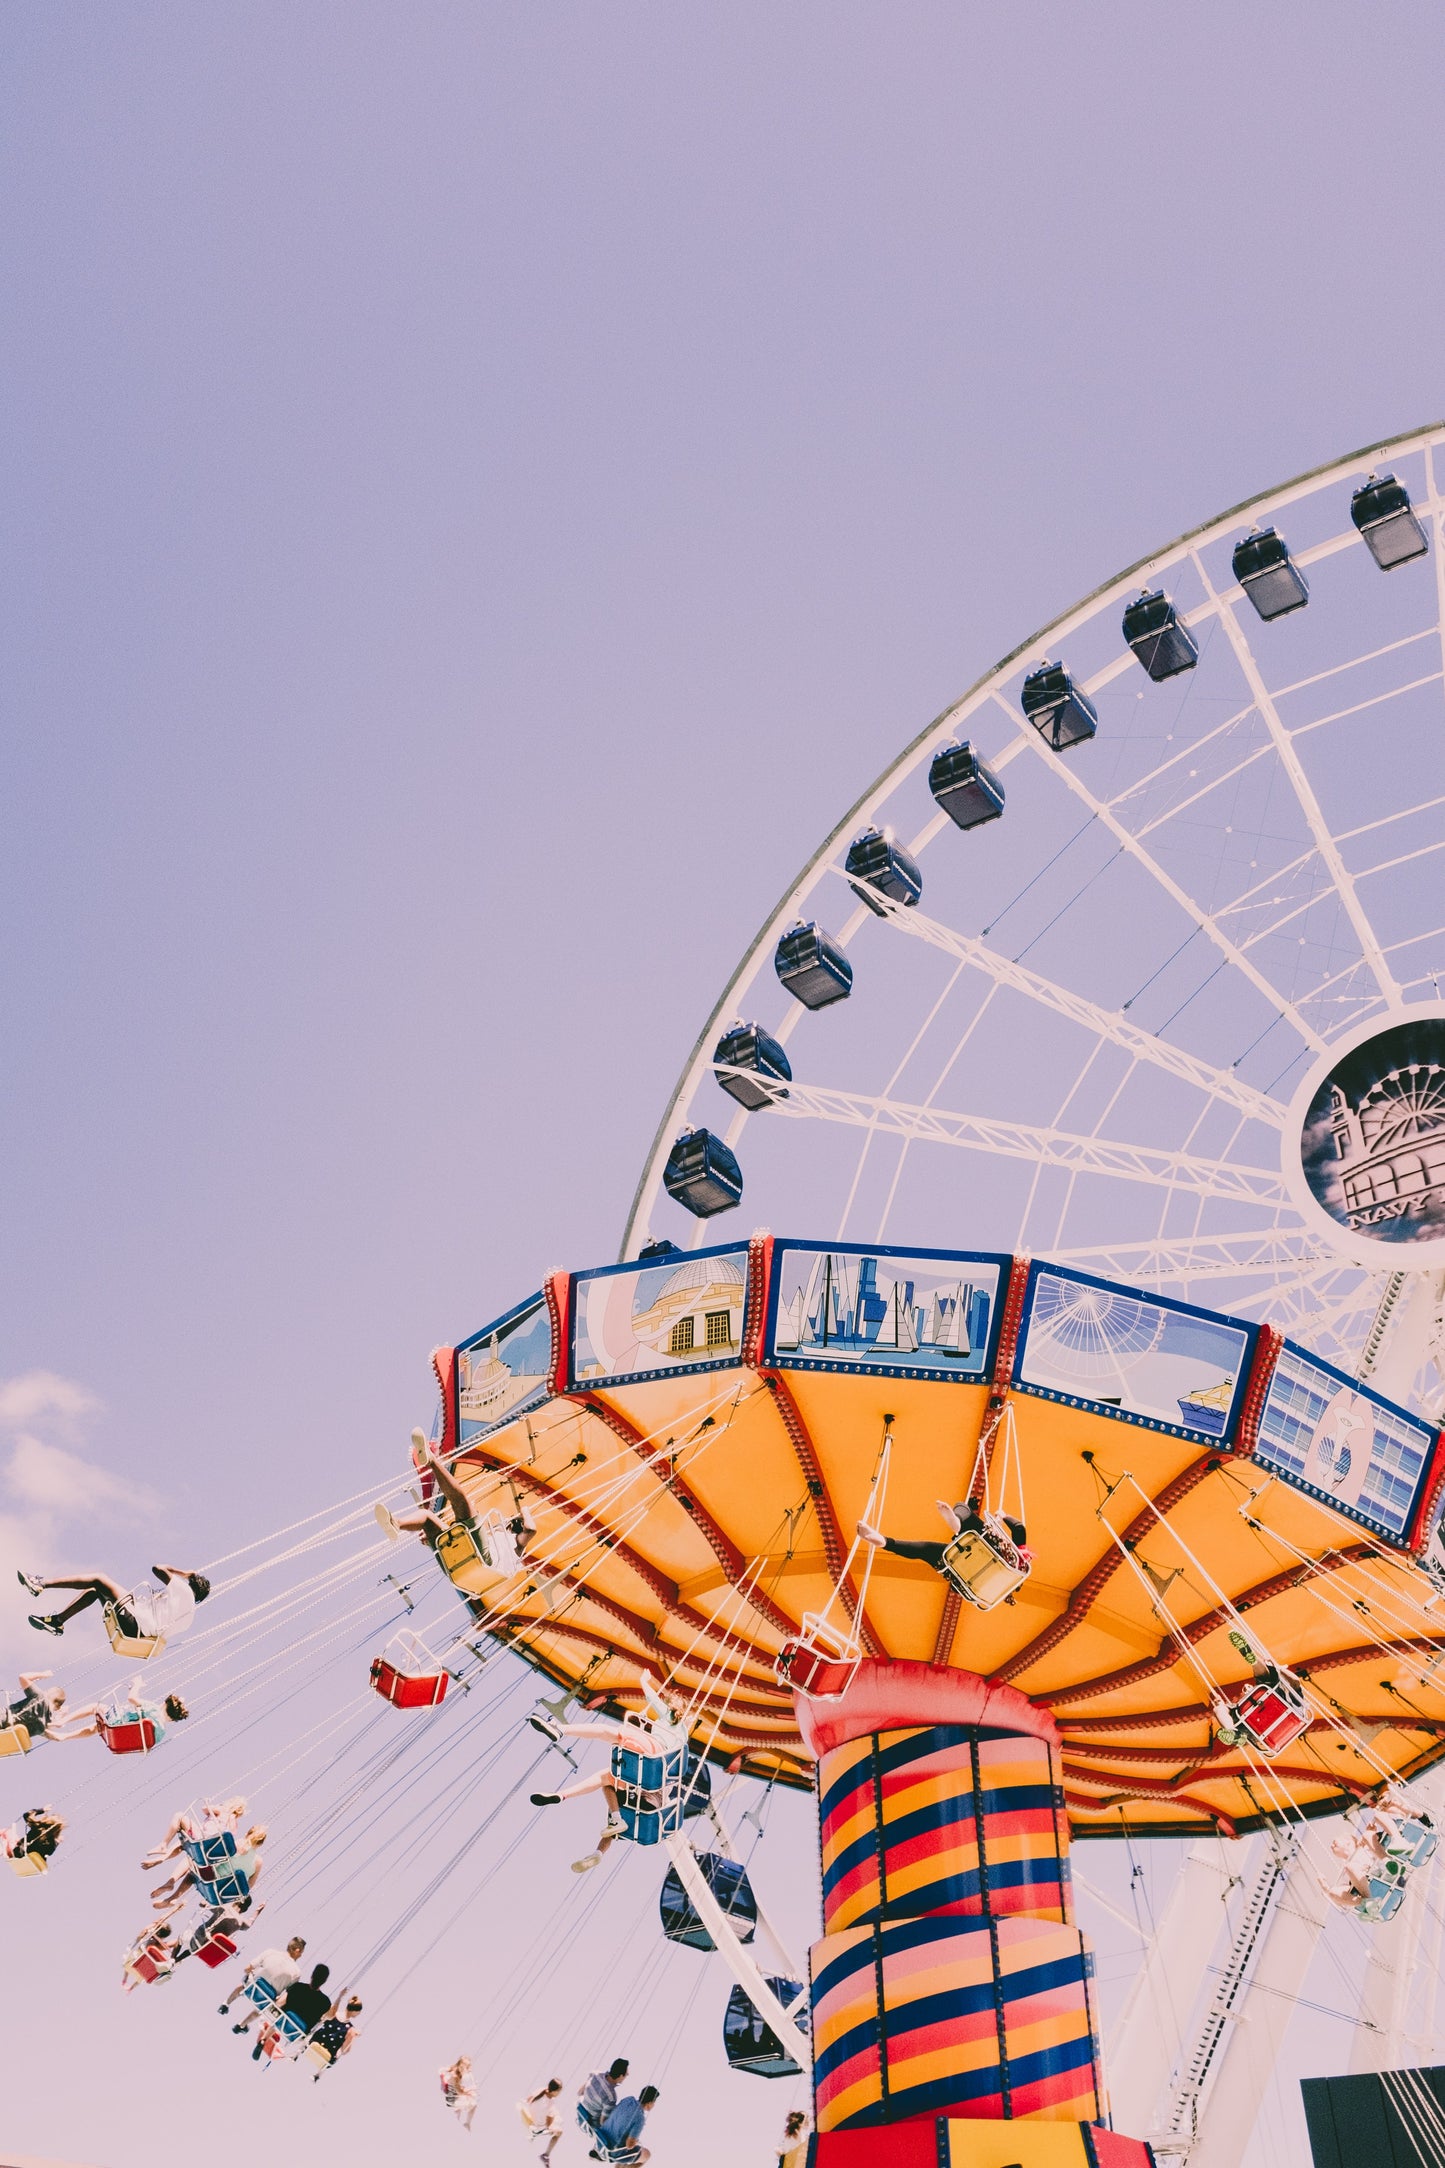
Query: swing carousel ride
x,y
1062,1459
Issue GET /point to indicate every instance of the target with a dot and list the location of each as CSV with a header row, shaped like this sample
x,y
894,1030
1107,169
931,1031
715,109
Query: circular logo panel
x,y
1365,1143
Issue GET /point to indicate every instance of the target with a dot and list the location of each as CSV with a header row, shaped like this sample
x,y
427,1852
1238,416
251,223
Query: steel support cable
x,y
318,1841
443,1873
1226,1604
404,1771
539,1969
1359,1611
459,1911
604,1540
171,1779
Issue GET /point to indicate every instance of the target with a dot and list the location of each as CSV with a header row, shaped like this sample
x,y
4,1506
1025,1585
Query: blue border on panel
x,y
731,1361
1001,1259
1398,1539
1223,1439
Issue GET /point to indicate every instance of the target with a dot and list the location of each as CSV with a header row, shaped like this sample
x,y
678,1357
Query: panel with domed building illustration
x,y
685,1312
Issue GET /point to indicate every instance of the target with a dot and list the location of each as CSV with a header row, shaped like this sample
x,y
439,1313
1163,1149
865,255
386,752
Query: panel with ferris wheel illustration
x,y
1141,1358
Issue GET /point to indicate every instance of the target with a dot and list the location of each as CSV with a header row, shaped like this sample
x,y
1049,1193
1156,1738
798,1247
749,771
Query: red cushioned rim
x,y
890,1695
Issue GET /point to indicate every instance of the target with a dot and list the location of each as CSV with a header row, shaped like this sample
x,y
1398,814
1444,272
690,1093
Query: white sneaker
x,y
387,1520
585,1866
614,1826
548,1726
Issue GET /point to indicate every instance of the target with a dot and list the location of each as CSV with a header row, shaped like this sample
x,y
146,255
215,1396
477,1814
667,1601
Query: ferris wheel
x,y
1122,959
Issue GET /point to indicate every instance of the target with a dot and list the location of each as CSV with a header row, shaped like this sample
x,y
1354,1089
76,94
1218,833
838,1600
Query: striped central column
x,y
950,1981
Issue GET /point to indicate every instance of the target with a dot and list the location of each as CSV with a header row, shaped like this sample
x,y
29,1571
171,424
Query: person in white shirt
x,y
139,1613
278,1968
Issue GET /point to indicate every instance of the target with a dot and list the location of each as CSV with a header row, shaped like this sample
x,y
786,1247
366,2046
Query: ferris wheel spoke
x,y
1289,760
1221,1084
1022,1140
1208,921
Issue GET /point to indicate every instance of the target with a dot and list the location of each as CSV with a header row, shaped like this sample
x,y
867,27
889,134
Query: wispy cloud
x,y
36,1394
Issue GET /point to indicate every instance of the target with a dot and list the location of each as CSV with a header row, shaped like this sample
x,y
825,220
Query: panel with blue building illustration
x,y
910,1313
1141,1358
504,1368
1327,1434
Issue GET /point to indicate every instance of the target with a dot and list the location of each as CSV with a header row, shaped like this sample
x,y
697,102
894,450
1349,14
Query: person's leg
x,y
94,1588
450,1488
170,1844
616,1734
929,1554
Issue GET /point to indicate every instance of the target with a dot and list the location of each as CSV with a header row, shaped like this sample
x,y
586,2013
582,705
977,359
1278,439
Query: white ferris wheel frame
x,y
1303,1259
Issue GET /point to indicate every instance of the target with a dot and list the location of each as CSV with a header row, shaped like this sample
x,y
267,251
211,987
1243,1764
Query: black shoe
x,y
539,1799
256,2052
235,2028
45,1625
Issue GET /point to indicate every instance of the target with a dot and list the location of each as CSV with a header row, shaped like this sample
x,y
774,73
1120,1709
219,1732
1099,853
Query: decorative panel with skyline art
x,y
685,1312
1141,1358
911,1313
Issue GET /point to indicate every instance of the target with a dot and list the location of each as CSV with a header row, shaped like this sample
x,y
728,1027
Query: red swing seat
x,y
157,1961
215,1950
1272,1713
407,1674
129,1735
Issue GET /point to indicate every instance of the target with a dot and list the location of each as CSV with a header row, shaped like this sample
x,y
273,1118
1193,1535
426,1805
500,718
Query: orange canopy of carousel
x,y
695,1436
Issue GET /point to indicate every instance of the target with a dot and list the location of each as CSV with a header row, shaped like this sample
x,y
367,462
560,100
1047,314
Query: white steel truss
x,y
1184,1171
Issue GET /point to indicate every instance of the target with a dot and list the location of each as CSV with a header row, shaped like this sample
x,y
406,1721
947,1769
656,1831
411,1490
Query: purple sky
x,y
486,487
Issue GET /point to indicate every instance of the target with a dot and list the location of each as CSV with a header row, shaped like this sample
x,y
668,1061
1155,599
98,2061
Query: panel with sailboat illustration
x,y
503,1369
1141,1358
909,1313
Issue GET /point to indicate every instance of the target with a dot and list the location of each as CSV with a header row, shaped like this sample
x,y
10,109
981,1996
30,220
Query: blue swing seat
x,y
261,1993
1423,1841
216,1890
210,1851
657,1793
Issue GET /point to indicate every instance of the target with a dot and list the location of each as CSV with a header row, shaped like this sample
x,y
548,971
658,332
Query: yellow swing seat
x,y
14,1739
27,1863
465,1560
140,1646
985,1566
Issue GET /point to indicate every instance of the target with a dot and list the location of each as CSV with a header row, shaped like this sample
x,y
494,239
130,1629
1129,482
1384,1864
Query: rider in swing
x,y
664,1733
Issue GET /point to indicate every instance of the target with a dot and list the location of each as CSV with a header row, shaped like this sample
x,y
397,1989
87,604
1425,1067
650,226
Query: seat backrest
x,y
14,1739
27,1862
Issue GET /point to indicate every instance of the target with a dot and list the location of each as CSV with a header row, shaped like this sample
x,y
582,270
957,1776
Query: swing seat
x,y
822,1661
223,1888
212,1850
1414,1845
27,1863
316,2053
466,1561
154,1962
140,1646
820,1677
1272,1714
14,1739
1383,1902
985,1565
407,1674
286,2037
215,1950
128,1734
649,1793
260,1993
